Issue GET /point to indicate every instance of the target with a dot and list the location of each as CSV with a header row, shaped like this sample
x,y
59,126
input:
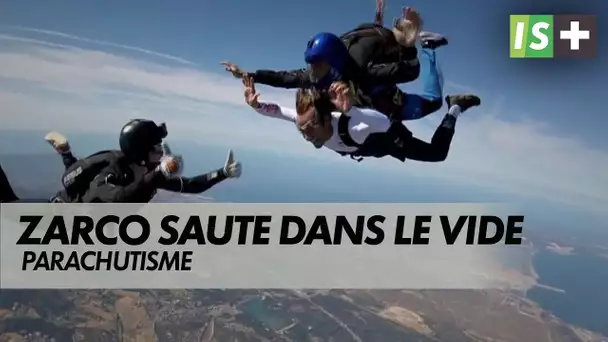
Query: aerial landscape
x,y
258,315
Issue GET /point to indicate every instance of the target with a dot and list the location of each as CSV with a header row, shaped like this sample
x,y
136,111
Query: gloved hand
x,y
171,165
232,168
58,141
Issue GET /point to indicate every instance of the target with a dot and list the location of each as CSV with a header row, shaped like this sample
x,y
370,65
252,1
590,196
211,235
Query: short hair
x,y
304,100
320,100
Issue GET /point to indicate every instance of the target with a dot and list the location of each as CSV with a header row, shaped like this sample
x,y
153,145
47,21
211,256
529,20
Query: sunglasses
x,y
309,126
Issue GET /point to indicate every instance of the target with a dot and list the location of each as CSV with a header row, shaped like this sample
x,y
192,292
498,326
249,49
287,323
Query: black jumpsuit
x,y
6,190
398,142
125,182
122,182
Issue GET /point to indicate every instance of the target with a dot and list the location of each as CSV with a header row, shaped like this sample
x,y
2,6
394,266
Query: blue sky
x,y
539,136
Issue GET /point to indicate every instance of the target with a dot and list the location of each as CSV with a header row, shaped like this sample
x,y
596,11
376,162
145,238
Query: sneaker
x,y
58,141
465,101
431,40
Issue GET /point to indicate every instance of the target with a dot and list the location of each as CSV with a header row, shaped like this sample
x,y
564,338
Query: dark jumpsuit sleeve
x,y
193,185
106,187
290,79
68,159
6,190
394,73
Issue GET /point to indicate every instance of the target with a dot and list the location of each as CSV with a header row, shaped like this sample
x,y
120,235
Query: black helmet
x,y
139,137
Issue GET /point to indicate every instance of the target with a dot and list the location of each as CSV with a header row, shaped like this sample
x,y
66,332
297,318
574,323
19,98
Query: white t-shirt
x,y
362,123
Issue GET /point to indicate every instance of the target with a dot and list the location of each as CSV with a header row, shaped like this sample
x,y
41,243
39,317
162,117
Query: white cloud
x,y
46,85
102,43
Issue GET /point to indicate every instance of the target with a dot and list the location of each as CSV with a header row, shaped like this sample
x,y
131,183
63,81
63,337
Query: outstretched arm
x,y
269,109
299,78
201,183
194,185
289,79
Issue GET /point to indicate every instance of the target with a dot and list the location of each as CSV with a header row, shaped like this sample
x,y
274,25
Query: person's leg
x,y
437,150
417,106
6,190
60,143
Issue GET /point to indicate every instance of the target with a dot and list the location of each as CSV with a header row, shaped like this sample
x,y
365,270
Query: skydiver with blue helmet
x,y
330,60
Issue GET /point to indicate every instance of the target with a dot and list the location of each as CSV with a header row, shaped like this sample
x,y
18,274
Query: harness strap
x,y
344,135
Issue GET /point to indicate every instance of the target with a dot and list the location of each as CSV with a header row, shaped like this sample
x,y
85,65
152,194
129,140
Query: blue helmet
x,y
326,47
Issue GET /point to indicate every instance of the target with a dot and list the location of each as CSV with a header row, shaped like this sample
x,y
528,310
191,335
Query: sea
x,y
584,278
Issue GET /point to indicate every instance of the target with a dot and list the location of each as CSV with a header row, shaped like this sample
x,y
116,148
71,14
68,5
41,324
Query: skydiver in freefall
x,y
133,174
372,60
329,119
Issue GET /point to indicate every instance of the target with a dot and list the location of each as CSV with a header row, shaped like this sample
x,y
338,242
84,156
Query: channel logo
x,y
553,36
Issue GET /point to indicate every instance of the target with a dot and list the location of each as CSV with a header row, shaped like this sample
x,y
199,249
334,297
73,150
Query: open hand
x,y
340,95
409,25
234,69
251,97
